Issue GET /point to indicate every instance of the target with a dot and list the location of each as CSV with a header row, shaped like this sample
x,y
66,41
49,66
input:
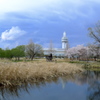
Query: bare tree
x,y
51,48
95,32
66,49
33,49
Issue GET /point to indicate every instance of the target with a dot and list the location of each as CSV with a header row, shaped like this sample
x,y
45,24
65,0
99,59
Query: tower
x,y
64,41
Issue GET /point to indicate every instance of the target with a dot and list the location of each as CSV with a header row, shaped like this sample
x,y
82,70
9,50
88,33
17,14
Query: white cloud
x,y
12,34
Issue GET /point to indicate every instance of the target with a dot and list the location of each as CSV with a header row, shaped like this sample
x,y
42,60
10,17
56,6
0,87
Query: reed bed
x,y
17,73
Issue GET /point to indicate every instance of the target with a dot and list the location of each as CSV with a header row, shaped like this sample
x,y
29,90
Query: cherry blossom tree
x,y
78,52
95,51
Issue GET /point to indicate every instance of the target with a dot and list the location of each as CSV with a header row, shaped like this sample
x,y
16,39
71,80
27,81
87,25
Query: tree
x,y
2,53
66,49
8,53
95,32
78,52
72,53
33,50
18,52
51,48
95,51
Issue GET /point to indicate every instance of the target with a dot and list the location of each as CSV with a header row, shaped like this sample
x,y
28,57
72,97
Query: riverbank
x,y
88,65
17,73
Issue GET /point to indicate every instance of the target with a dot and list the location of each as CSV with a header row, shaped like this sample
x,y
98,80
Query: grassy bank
x,y
88,65
16,73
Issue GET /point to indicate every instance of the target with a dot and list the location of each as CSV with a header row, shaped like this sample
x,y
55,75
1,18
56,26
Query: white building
x,y
59,52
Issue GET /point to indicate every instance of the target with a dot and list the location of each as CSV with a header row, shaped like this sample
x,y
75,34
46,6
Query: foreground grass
x,y
17,73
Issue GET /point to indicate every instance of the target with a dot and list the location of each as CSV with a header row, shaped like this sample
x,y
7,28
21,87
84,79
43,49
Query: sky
x,y
46,20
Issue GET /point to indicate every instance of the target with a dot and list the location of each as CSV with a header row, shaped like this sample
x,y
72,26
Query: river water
x,y
80,86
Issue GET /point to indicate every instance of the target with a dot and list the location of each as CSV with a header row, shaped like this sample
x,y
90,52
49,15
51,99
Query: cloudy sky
x,y
46,20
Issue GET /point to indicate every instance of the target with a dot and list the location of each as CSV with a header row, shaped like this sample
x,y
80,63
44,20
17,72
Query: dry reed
x,y
16,73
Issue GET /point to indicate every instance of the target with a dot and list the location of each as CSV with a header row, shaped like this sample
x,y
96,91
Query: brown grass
x,y
16,73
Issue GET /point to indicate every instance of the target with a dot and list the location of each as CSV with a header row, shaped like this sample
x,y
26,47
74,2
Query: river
x,y
80,86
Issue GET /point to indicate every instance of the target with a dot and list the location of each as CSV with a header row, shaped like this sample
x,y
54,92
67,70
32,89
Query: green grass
x,y
90,65
78,62
94,69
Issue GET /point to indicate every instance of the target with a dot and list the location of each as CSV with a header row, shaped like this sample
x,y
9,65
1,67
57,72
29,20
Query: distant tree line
x,y
28,51
80,52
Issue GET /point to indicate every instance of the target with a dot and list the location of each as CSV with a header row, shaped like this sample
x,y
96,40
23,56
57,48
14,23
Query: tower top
x,y
64,38
64,34
64,41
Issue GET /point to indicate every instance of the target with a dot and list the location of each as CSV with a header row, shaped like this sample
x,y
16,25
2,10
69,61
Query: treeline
x,y
28,51
80,52
17,52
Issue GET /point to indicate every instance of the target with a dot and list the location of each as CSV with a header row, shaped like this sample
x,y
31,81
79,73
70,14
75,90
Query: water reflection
x,y
89,78
94,86
14,91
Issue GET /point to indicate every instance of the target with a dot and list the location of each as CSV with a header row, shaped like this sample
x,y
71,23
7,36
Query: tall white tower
x,y
64,41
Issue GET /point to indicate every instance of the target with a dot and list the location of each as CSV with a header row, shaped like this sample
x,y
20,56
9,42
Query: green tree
x,y
18,52
2,53
8,53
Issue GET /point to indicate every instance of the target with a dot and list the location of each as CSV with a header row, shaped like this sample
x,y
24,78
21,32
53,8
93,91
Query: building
x,y
58,52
